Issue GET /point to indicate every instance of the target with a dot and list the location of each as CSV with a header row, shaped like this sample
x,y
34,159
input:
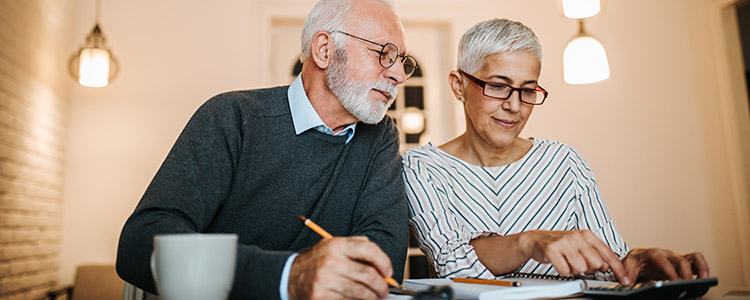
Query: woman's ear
x,y
321,49
454,79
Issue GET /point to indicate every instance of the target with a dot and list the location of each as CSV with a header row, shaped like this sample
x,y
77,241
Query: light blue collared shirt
x,y
304,117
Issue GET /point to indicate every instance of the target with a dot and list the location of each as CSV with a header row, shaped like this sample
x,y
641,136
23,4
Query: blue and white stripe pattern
x,y
452,202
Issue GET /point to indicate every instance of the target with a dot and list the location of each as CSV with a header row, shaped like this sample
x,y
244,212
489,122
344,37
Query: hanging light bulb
x,y
581,9
584,60
93,64
412,120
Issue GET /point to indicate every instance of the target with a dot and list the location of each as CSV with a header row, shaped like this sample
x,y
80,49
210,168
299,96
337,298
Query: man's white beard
x,y
354,96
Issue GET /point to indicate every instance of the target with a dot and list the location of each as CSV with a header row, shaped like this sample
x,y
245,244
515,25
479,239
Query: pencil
x,y
322,232
319,230
487,281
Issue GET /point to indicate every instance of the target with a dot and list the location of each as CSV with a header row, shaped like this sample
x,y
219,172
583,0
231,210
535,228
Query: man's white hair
x,y
329,15
495,36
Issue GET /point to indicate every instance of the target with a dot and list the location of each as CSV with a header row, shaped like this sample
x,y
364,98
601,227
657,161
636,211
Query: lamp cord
x,y
581,30
98,2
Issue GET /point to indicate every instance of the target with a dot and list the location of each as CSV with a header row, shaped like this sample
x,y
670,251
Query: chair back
x,y
97,282
131,292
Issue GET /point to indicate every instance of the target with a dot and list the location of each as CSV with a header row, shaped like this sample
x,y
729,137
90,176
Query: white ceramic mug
x,y
197,266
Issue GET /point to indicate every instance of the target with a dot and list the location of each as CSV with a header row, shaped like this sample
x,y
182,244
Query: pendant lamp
x,y
93,65
584,58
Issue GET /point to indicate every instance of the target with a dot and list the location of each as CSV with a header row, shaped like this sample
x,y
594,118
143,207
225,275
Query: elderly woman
x,y
490,202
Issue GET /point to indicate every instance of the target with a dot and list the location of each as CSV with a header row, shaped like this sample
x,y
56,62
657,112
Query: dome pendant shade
x,y
585,61
580,9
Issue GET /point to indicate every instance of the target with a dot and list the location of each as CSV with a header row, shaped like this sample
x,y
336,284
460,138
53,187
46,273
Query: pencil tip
x,y
301,218
392,282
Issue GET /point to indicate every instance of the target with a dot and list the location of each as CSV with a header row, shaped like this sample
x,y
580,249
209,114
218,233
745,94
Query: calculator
x,y
664,289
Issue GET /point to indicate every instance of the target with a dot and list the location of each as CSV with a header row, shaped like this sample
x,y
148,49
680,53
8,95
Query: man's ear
x,y
454,79
321,49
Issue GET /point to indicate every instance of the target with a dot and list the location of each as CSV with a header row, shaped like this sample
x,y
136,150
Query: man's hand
x,y
573,252
659,264
340,268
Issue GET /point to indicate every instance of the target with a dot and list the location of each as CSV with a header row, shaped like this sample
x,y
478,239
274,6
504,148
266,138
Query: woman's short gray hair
x,y
495,36
328,15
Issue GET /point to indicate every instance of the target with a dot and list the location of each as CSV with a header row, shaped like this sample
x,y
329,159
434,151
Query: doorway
x,y
743,22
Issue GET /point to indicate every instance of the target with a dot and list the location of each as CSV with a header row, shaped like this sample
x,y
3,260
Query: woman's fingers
x,y
576,252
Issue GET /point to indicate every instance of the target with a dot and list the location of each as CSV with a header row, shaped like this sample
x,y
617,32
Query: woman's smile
x,y
505,123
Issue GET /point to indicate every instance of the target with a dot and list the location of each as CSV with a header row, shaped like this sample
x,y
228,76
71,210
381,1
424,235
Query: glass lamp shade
x,y
93,70
585,61
412,121
581,9
93,65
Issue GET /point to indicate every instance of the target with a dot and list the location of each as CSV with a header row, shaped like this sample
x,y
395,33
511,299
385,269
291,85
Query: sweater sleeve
x,y
443,239
187,191
381,212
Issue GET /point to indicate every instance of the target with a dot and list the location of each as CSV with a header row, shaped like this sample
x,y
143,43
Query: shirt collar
x,y
304,116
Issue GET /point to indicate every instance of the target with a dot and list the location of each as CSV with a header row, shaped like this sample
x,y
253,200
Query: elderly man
x,y
249,162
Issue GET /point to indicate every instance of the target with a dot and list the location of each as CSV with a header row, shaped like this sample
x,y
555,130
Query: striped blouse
x,y
452,202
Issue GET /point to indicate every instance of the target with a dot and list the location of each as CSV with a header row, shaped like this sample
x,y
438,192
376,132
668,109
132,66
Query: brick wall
x,y
35,42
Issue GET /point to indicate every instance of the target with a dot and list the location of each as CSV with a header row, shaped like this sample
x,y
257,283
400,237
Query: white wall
x,y
655,133
174,55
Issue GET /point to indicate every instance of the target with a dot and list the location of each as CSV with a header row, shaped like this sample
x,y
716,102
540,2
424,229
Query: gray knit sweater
x,y
238,167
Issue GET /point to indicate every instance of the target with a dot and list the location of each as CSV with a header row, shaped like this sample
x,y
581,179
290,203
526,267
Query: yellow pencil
x,y
322,232
319,230
487,281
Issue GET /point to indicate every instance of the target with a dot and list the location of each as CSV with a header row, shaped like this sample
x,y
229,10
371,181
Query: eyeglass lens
x,y
389,56
503,91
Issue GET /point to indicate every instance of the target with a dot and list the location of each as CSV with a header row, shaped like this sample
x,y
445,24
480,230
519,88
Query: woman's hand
x,y
581,252
660,264
569,252
573,252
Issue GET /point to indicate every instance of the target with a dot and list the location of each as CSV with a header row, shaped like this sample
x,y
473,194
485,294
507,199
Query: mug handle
x,y
153,265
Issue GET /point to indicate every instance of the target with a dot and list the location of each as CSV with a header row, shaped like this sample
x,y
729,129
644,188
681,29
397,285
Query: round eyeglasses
x,y
535,96
389,55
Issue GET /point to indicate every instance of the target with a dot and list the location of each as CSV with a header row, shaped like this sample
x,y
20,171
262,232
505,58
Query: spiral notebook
x,y
531,287
554,286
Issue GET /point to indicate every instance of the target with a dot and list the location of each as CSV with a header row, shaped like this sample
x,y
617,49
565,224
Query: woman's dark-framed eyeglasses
x,y
534,96
389,55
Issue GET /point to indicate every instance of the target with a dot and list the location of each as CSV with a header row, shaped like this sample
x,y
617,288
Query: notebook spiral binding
x,y
539,276
603,276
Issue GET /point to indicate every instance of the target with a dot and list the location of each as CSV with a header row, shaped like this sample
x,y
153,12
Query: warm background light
x,y
94,67
580,9
412,121
585,61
